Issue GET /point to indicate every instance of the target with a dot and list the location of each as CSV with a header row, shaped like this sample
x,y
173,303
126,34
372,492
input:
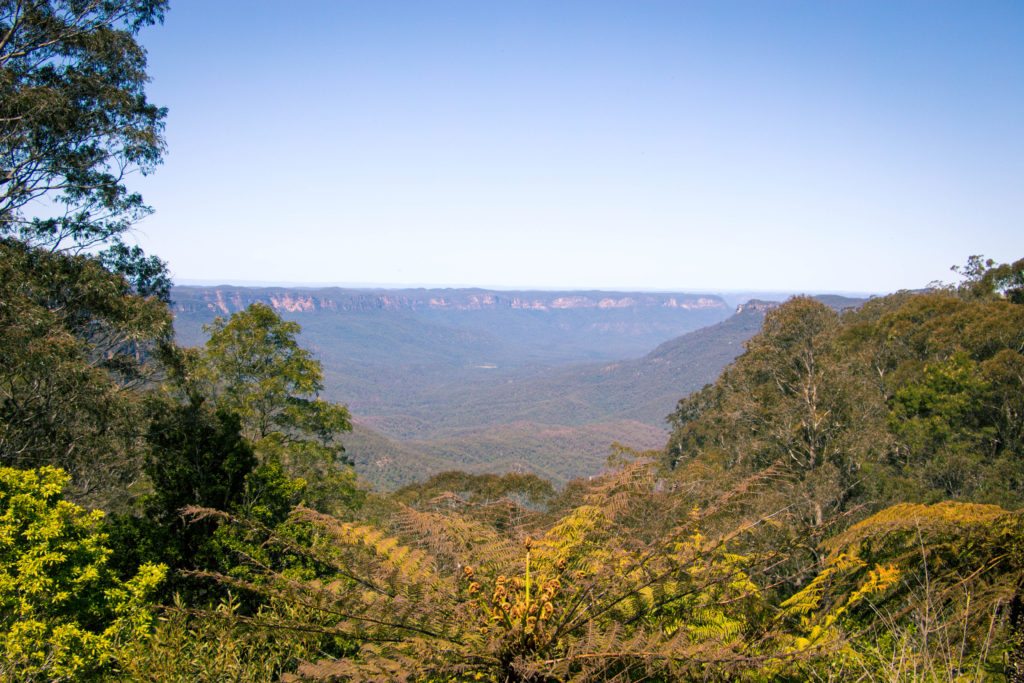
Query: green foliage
x,y
218,645
258,371
253,367
944,404
74,119
77,355
911,397
269,495
620,586
941,425
63,615
195,456
986,278
147,275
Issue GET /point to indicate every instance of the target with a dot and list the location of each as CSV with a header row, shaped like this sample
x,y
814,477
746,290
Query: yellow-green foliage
x,y
843,584
63,615
906,524
914,592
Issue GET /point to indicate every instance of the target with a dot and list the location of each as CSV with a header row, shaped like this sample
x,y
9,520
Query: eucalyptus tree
x,y
77,328
74,119
253,366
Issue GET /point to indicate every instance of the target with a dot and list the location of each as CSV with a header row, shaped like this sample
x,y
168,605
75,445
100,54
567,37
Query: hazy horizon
x,y
370,286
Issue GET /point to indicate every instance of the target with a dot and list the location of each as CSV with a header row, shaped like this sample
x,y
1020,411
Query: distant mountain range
x,y
491,381
389,350
466,326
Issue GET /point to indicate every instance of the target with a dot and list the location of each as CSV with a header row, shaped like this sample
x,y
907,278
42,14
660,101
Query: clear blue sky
x,y
857,146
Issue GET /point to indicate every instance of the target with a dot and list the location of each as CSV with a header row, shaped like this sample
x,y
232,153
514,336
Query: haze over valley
x,y
495,381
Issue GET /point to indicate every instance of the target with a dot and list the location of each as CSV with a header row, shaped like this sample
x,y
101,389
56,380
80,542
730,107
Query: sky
x,y
799,146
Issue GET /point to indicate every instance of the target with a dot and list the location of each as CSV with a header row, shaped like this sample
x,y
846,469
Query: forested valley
x,y
844,503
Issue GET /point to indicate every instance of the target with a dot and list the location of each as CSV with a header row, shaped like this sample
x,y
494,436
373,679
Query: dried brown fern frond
x,y
611,654
617,491
399,564
453,539
739,493
504,513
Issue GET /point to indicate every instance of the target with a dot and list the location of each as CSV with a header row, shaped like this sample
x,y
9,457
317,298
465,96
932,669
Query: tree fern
x,y
922,586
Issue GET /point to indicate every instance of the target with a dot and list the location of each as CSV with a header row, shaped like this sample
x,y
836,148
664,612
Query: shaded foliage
x,y
195,456
78,346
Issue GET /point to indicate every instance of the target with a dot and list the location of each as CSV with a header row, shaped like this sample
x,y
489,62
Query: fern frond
x,y
948,517
454,540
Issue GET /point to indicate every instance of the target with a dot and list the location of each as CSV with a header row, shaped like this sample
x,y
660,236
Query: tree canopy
x,y
913,397
74,118
253,366
78,351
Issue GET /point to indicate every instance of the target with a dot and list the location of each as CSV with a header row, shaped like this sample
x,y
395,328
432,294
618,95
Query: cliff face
x,y
226,300
756,306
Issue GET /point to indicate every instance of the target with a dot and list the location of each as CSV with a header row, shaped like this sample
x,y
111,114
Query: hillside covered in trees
x,y
844,502
490,381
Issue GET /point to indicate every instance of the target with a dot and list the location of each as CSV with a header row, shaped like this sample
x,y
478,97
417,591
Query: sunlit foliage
x,y
253,366
63,614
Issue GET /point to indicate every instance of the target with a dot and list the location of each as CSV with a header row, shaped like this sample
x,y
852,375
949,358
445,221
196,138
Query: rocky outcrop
x,y
756,306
